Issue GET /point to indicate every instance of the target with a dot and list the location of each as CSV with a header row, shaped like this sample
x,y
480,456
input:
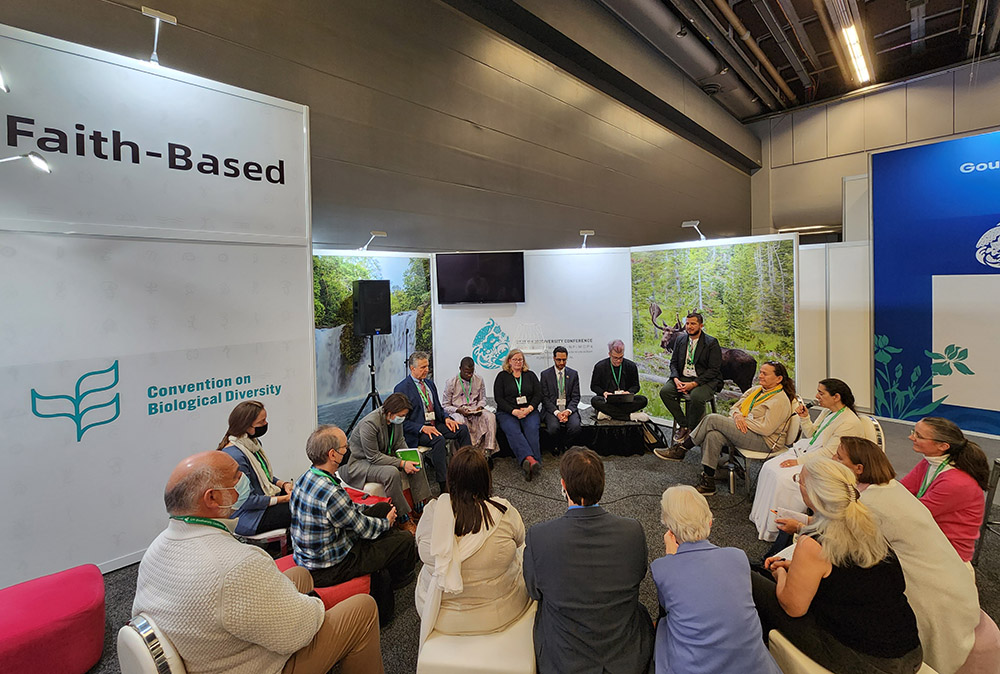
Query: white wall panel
x,y
782,141
885,118
976,97
809,138
845,127
810,363
930,107
850,336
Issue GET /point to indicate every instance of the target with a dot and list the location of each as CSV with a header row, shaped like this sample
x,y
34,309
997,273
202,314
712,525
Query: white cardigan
x,y
224,605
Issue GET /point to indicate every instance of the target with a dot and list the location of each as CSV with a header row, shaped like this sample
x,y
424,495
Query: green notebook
x,y
409,455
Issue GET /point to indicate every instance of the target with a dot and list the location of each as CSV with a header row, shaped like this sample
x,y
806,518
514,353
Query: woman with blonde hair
x,y
518,394
950,481
841,598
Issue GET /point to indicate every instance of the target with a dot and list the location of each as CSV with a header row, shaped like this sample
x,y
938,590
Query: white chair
x,y
280,535
793,661
142,649
509,652
873,430
791,435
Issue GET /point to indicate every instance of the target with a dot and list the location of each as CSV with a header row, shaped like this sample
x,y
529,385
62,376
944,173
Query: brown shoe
x,y
706,485
682,435
672,453
408,525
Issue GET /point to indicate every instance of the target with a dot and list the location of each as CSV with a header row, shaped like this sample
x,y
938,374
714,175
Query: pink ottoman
x,y
334,594
53,624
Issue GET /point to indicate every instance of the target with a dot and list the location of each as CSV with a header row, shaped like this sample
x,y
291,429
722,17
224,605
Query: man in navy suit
x,y
560,397
584,569
695,369
427,425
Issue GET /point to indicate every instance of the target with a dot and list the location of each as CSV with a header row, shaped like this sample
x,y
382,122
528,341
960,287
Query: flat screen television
x,y
480,278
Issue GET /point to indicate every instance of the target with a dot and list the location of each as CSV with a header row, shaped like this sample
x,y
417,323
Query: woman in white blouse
x,y
776,486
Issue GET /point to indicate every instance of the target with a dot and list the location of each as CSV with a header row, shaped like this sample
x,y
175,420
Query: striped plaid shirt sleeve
x,y
343,513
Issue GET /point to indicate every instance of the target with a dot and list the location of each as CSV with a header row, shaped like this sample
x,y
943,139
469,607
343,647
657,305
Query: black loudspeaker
x,y
372,315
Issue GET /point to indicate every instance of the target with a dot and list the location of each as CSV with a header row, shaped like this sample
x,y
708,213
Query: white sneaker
x,y
639,416
601,416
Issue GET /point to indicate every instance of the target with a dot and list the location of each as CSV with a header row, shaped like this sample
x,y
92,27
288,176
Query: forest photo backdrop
x,y
745,291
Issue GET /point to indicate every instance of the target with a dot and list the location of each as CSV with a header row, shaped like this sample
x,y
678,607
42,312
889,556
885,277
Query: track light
x,y
3,83
375,234
36,160
157,17
585,233
694,224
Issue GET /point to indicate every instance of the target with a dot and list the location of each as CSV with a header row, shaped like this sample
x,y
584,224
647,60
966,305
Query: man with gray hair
x,y
618,377
427,424
225,606
708,622
337,539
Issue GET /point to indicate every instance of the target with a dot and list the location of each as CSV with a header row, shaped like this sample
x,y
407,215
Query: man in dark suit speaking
x,y
584,569
427,425
695,369
560,397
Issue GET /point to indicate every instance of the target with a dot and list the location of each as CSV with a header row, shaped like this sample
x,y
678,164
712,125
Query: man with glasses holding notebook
x,y
615,383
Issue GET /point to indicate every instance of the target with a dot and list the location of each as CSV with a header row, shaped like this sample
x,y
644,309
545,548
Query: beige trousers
x,y
349,635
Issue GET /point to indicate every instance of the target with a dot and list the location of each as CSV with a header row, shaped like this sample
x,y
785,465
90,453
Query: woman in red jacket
x,y
950,480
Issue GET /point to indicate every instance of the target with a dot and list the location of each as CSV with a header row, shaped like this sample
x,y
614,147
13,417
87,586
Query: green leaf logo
x,y
74,408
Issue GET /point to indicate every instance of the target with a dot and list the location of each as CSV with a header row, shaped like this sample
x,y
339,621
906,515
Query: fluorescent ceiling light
x,y
375,233
157,17
585,233
850,34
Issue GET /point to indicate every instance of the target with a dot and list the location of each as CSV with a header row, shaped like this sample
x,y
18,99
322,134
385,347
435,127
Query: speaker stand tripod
x,y
373,395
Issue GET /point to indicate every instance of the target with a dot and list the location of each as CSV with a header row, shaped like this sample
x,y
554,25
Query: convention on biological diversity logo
x,y
490,345
73,406
988,248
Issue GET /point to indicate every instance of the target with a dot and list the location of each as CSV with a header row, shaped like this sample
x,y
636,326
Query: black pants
x,y
819,644
439,447
278,516
619,411
563,435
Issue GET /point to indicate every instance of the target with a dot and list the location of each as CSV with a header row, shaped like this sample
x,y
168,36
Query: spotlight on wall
x,y
36,160
157,17
585,233
3,83
375,234
694,224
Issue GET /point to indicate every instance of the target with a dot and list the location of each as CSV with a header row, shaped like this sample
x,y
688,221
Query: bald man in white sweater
x,y
225,606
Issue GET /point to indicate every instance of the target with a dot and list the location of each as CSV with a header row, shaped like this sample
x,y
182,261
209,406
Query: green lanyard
x,y
423,395
770,395
927,483
825,424
191,519
263,464
392,434
690,354
618,377
468,393
517,380
322,473
561,381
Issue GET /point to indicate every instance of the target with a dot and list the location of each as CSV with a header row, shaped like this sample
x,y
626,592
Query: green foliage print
x,y
895,397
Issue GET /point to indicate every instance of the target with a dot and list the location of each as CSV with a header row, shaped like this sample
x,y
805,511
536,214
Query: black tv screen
x,y
484,278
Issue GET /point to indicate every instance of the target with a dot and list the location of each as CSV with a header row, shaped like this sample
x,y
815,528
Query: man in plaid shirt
x,y
337,539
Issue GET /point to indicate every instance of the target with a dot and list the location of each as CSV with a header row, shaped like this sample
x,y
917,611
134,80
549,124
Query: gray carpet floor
x,y
634,486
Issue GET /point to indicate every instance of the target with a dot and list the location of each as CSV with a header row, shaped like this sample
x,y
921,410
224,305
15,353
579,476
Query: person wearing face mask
x,y
266,508
225,606
372,458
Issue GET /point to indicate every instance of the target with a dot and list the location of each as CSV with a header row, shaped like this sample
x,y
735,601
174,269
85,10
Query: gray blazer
x,y
584,569
369,443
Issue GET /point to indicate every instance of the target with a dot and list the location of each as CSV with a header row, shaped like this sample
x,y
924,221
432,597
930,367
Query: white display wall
x,y
577,298
142,300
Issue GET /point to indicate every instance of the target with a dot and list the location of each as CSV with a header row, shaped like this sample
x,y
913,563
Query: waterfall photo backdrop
x,y
342,377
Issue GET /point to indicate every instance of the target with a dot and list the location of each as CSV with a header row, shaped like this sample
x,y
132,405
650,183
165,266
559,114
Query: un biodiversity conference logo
x,y
73,406
490,345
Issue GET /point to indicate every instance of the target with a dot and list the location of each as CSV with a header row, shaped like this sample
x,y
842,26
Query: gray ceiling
x,y
429,125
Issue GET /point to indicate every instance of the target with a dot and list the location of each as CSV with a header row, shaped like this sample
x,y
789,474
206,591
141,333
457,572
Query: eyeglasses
x,y
517,360
914,434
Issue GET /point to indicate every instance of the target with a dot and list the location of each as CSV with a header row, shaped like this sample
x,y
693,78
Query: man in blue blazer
x,y
584,570
427,425
695,369
560,397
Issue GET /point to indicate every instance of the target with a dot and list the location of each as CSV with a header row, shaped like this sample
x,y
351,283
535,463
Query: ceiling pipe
x,y
751,44
771,21
834,40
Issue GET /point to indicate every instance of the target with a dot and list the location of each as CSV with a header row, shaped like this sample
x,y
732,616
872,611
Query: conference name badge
x,y
429,415
561,403
522,400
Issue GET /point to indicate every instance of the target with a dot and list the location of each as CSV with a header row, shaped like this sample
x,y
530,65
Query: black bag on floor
x,y
653,435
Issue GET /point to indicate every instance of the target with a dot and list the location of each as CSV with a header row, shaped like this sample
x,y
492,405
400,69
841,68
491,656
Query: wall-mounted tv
x,y
483,278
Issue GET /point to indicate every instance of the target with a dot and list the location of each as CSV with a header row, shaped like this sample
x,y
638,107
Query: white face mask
x,y
242,488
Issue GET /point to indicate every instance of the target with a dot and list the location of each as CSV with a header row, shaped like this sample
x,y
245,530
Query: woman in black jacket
x,y
518,395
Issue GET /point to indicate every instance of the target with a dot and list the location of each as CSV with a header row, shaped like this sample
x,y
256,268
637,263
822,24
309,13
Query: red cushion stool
x,y
334,594
53,624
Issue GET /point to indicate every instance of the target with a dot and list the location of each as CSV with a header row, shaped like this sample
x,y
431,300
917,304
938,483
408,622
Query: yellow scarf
x,y
754,397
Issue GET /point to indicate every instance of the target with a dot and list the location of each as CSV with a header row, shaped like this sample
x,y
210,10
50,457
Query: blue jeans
x,y
522,434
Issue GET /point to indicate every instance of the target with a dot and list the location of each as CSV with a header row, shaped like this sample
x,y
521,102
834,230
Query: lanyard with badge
x,y
322,473
263,464
191,519
825,424
467,392
561,387
521,399
428,409
617,376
